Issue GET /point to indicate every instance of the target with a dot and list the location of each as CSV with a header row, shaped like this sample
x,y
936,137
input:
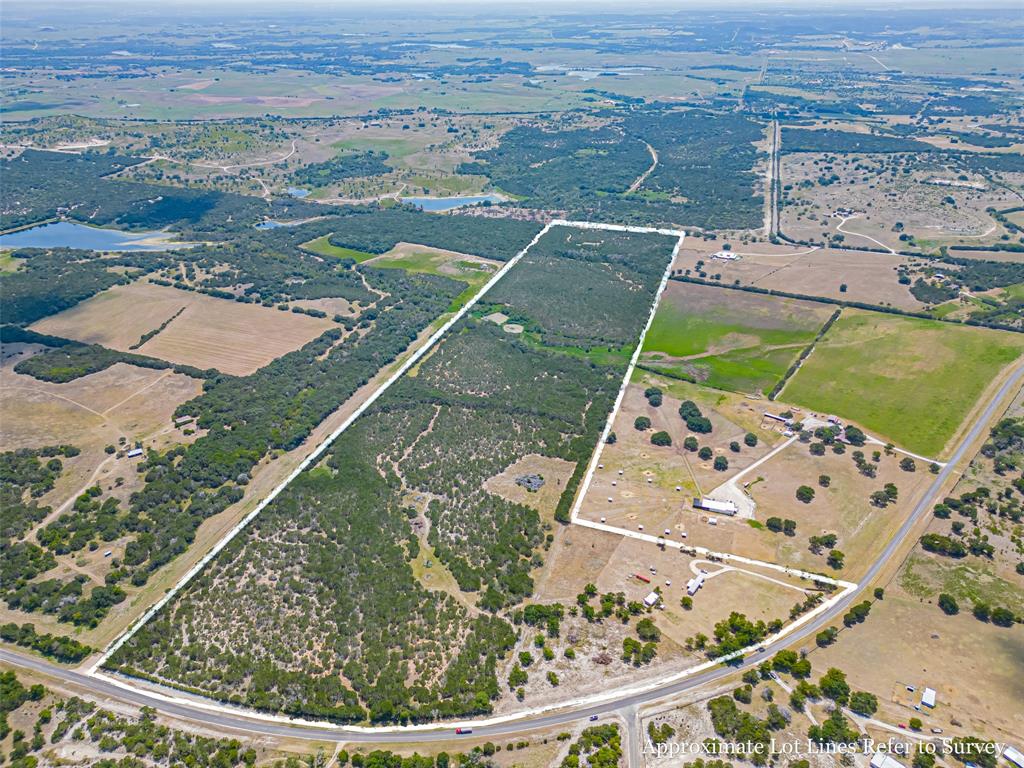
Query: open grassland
x,y
888,197
322,247
472,270
609,561
980,688
232,337
729,339
909,380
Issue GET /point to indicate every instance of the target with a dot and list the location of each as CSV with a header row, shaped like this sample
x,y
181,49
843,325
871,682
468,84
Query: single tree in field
x,y
948,604
661,438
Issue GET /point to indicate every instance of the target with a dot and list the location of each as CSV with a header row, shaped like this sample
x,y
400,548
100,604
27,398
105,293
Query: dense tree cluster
x,y
599,746
79,186
347,165
704,175
73,721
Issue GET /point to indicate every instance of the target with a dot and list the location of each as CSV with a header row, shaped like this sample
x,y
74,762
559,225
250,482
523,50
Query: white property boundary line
x,y
314,456
411,361
595,459
594,699
583,701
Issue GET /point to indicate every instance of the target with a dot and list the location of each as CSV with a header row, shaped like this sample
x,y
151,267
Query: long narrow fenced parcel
x,y
321,606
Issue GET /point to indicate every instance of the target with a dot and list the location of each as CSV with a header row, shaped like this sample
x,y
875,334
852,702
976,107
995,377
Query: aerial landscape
x,y
416,385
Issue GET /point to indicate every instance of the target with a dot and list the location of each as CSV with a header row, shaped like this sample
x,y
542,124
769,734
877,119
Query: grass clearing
x,y
322,246
729,339
912,381
8,263
472,270
973,667
925,576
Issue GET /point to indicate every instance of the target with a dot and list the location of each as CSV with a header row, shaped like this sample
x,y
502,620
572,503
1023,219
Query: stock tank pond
x,y
66,234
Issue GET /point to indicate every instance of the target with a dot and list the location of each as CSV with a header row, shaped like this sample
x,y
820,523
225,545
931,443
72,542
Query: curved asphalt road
x,y
211,719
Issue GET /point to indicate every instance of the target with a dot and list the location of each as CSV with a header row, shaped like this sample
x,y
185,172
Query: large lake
x,y
65,234
448,203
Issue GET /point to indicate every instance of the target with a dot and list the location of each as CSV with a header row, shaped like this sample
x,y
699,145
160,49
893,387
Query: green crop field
x,y
729,339
909,380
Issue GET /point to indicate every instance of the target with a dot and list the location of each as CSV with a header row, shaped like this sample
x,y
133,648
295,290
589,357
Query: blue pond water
x,y
271,224
65,234
297,192
448,203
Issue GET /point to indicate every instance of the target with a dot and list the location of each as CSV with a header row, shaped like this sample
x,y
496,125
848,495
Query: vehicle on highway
x,y
463,731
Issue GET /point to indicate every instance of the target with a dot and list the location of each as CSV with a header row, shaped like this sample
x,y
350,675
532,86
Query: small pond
x,y
448,203
66,234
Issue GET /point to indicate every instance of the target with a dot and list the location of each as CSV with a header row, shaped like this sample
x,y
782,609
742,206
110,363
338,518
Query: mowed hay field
x,y
729,339
909,380
869,277
216,333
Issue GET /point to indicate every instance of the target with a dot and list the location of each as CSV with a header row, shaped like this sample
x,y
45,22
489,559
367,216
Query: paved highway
x,y
215,720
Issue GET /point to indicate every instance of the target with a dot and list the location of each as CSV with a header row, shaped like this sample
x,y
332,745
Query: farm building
x,y
133,453
713,505
652,599
724,255
695,583
928,698
775,417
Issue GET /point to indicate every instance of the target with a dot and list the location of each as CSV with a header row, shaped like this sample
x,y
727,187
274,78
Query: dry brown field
x,y
656,486
973,667
869,277
232,337
843,508
610,561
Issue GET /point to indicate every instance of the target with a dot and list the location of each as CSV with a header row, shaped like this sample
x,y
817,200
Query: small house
x,y
652,600
133,453
928,698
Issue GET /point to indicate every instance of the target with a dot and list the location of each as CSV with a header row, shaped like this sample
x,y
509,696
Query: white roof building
x,y
884,760
713,505
1014,755
928,698
695,583
652,599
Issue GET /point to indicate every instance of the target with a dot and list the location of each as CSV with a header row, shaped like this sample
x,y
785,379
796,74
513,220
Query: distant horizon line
x,y
37,8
